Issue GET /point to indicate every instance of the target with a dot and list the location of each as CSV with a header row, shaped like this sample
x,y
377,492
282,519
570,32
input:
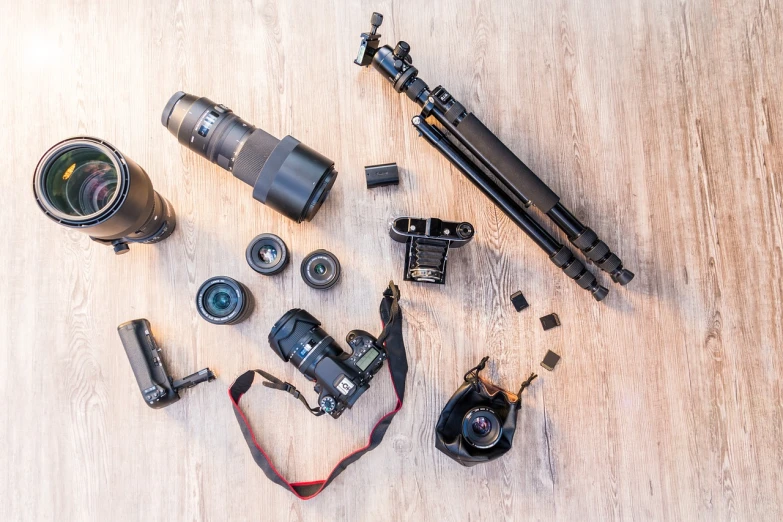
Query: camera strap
x,y
391,339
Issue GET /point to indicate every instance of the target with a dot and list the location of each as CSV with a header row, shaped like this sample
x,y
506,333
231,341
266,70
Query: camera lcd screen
x,y
366,359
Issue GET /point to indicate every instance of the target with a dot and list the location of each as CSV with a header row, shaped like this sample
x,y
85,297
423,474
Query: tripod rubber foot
x,y
623,277
600,292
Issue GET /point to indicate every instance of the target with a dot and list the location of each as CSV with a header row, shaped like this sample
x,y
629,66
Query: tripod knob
x,y
401,50
375,20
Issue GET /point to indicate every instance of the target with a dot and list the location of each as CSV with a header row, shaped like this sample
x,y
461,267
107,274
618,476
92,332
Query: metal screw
x,y
412,228
446,231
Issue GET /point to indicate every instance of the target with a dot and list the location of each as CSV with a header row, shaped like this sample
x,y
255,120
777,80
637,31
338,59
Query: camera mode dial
x,y
327,403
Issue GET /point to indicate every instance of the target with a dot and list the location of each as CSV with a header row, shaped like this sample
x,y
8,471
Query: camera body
x,y
340,378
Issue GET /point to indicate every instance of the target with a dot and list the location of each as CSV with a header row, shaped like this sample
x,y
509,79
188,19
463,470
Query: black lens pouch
x,y
474,409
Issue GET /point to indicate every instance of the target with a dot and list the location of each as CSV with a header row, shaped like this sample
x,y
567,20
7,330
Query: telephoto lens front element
x,y
481,428
286,175
222,300
88,184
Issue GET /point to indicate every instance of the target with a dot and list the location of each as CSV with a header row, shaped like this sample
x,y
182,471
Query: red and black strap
x,y
391,339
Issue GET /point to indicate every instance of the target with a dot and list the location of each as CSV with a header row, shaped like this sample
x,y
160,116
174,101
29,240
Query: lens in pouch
x,y
267,254
222,300
320,269
481,428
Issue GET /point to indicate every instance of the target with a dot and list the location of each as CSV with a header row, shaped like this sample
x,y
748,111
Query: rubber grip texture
x,y
509,167
253,156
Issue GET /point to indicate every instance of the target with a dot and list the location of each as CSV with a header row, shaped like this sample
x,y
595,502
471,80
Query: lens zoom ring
x,y
253,155
574,269
299,331
586,239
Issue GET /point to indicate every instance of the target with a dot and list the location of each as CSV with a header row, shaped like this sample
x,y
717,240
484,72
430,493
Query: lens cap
x,y
267,254
320,269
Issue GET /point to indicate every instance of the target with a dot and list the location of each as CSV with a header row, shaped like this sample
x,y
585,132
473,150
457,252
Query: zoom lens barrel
x,y
298,327
223,300
286,175
87,184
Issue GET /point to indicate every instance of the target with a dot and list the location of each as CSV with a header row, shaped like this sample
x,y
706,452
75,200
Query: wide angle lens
x,y
481,428
286,175
88,184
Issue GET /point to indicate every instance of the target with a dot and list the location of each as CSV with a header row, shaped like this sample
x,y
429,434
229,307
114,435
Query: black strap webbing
x,y
391,339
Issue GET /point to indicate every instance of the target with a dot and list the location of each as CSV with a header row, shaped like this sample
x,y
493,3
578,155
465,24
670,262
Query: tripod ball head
x,y
375,21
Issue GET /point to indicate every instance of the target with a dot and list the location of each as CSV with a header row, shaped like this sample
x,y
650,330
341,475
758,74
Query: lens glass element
x,y
81,181
481,426
220,300
267,254
320,269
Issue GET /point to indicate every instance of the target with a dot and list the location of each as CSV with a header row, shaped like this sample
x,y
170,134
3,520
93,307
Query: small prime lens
x,y
267,254
320,269
286,175
88,184
481,428
223,300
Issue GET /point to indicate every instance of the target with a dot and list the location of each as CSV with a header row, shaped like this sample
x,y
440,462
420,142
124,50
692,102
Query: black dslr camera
x,y
340,378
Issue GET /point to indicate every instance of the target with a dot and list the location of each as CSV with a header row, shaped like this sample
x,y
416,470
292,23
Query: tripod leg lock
x,y
575,269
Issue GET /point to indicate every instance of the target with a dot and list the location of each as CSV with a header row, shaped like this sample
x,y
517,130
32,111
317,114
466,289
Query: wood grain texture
x,y
659,123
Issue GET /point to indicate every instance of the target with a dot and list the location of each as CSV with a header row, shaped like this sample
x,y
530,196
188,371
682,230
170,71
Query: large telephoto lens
x,y
86,183
286,175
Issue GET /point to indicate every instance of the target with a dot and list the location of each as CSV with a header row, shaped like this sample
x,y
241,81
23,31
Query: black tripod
x,y
491,166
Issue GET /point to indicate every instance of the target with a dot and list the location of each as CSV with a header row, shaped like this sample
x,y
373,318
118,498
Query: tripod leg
x,y
523,183
559,254
586,240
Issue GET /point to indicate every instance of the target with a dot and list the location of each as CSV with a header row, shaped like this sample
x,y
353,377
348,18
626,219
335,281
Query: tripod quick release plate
x,y
427,245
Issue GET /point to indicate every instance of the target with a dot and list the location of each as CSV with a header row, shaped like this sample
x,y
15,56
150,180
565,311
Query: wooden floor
x,y
658,123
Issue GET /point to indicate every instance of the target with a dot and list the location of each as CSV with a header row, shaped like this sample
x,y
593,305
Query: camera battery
x,y
382,175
